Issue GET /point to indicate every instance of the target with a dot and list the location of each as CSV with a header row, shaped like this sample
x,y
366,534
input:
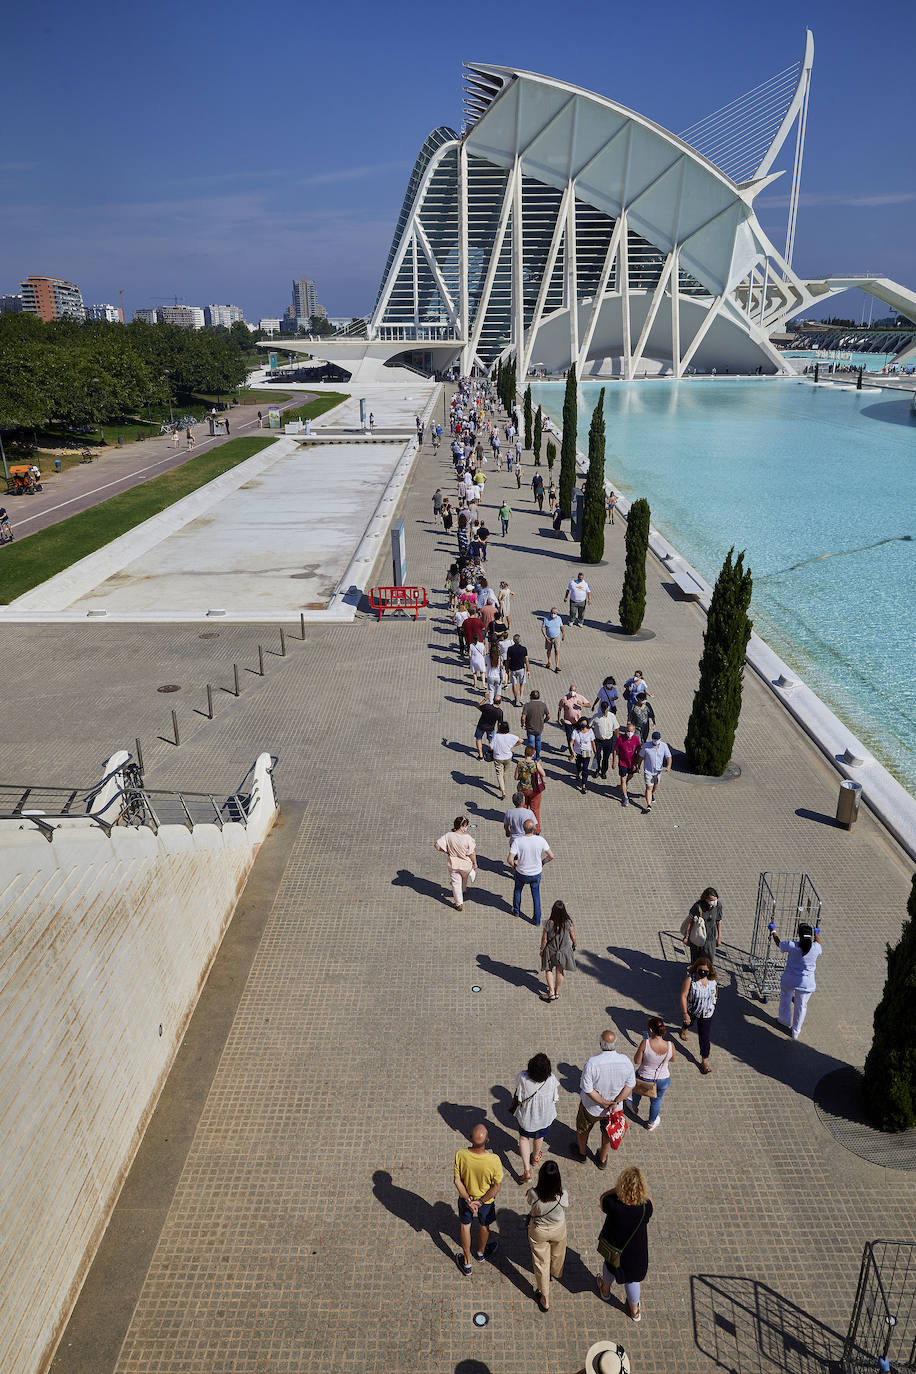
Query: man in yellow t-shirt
x,y
478,1178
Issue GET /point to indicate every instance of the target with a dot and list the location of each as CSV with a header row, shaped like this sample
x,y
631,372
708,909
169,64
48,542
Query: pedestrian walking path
x,y
304,1218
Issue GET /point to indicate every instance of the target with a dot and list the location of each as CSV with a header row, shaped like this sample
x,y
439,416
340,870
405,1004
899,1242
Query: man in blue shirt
x,y
553,632
656,756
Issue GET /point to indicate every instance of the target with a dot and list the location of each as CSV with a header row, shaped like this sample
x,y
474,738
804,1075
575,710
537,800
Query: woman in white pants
x,y
797,982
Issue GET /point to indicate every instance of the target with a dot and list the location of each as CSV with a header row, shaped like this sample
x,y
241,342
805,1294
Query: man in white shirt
x,y
579,595
607,1078
503,744
655,756
527,856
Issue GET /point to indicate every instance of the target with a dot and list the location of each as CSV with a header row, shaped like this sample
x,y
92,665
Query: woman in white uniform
x,y
797,982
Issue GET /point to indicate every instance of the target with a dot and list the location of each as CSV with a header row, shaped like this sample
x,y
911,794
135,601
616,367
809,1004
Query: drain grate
x,y
169,687
837,1101
209,634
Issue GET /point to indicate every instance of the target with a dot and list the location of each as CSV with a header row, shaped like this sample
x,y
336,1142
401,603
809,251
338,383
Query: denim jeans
x,y
582,762
505,525
604,749
655,1103
523,880
535,742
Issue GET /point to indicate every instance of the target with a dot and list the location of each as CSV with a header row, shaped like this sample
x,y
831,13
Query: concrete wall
x,y
105,944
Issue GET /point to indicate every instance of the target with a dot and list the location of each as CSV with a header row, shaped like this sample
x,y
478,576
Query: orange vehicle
x,y
24,479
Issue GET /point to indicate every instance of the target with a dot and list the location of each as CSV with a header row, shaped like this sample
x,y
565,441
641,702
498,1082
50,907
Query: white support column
x,y
430,257
657,297
606,269
495,254
518,247
703,330
572,278
559,229
676,313
464,305
416,284
623,283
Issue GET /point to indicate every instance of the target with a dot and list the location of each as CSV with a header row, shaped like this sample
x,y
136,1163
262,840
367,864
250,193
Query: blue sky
x,y
215,152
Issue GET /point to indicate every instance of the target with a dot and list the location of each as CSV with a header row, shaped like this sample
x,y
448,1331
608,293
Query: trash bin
x,y
847,807
57,465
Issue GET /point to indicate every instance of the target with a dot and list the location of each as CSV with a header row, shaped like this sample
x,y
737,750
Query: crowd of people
x,y
613,732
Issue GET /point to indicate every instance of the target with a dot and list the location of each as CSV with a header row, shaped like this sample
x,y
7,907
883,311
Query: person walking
x,y
535,716
797,982
515,817
527,856
226,423
464,537
551,497
624,1242
653,1070
494,669
628,761
260,420
583,747
518,667
579,595
699,994
453,586
633,686
548,1201
607,1078
607,692
491,713
641,714
605,729
553,630
702,930
534,1106
531,780
438,500
478,1179
477,661
460,849
505,515
569,712
656,759
504,599
448,515
503,744
611,506
558,950
519,474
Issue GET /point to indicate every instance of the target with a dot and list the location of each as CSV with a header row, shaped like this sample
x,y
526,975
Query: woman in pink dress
x,y
459,848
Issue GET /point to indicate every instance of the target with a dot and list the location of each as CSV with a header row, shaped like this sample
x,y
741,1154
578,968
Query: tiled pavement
x,y
312,1225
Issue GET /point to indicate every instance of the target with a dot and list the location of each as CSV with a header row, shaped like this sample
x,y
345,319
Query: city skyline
x,y
158,218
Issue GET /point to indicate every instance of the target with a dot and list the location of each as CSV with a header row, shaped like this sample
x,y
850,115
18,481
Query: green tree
x,y
498,379
632,606
593,511
717,703
528,417
889,1084
538,436
568,444
320,325
551,456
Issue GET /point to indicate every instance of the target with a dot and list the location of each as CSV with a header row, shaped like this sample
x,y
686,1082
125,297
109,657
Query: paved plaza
x,y
292,1206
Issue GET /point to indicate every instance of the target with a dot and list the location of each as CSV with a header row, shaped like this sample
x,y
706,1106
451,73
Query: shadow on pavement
x,y
509,973
437,1219
805,814
745,1326
463,1117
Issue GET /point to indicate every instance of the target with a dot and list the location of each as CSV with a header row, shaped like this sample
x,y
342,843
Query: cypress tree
x,y
551,456
499,379
889,1086
512,393
632,606
717,704
538,436
527,417
568,444
593,512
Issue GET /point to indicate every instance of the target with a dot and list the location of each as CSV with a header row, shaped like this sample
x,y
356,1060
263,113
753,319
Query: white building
x,y
222,315
188,316
270,325
104,312
148,316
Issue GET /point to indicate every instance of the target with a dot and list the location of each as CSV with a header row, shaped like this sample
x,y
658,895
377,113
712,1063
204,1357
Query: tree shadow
x,y
463,1117
437,1220
747,1327
510,973
569,555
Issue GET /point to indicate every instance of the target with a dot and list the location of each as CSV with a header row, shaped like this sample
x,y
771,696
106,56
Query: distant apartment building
x,y
52,298
112,313
188,316
147,316
224,315
10,305
270,325
305,299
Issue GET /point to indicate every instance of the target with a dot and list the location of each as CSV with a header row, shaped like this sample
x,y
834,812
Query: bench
x,y
407,599
686,582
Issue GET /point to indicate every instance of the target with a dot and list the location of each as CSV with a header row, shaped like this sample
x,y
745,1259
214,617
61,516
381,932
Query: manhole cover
x,y
480,1318
209,634
169,687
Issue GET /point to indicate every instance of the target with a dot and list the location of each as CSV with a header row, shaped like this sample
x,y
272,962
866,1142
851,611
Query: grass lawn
x,y
24,565
263,398
326,401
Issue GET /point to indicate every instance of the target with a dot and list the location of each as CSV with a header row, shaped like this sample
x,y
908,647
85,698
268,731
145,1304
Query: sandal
x,y
634,1312
525,1178
536,1159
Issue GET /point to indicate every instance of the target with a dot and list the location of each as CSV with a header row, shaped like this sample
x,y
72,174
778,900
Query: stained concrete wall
x,y
105,944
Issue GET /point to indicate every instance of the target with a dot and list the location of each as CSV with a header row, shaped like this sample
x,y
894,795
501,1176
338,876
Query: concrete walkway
x,y
293,1207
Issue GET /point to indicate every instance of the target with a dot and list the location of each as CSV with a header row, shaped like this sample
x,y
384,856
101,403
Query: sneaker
x,y
465,1268
489,1250
652,1125
625,801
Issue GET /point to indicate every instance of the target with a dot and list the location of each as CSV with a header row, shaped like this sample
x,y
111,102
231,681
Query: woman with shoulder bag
x,y
534,1107
653,1070
699,994
624,1243
529,775
548,1200
702,930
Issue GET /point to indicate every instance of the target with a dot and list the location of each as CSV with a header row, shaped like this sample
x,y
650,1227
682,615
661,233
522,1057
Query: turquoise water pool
x,y
872,362
789,472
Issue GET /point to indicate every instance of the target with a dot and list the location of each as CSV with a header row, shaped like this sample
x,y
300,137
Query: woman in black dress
x,y
623,1243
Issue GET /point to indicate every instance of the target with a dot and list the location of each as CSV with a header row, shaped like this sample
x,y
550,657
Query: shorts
x,y
485,1214
585,1121
651,778
518,675
626,772
539,1134
484,734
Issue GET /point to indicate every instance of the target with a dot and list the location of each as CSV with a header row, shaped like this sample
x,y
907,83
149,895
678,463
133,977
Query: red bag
x,y
616,1126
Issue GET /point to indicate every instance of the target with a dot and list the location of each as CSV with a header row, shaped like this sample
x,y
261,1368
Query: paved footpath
x,y
292,1207
118,469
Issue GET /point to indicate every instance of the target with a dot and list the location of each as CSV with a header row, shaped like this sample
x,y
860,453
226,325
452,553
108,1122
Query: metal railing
x,y
131,803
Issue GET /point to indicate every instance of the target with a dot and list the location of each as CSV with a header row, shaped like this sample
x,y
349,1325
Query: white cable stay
x,y
792,71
